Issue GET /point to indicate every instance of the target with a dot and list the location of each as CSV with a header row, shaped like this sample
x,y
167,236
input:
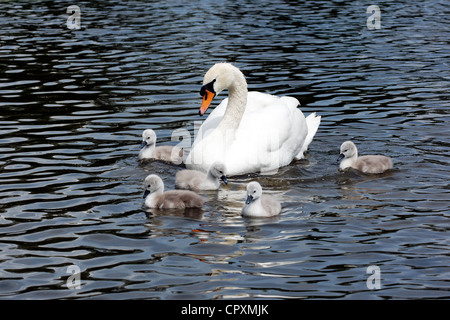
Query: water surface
x,y
73,105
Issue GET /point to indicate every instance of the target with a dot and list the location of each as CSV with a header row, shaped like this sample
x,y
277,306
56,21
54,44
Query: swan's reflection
x,y
193,213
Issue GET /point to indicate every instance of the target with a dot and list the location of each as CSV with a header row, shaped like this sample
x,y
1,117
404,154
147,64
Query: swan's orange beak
x,y
207,98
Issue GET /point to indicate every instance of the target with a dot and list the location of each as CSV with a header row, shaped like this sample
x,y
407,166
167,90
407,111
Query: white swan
x,y
366,164
155,197
258,205
149,150
197,180
248,131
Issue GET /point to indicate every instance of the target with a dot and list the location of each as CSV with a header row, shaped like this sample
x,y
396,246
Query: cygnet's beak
x,y
341,156
224,179
249,199
143,144
146,193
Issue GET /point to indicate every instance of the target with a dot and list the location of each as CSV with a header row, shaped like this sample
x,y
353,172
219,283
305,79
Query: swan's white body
x,y
250,131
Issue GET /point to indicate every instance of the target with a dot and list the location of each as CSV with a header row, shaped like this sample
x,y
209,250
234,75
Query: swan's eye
x,y
149,186
254,191
209,87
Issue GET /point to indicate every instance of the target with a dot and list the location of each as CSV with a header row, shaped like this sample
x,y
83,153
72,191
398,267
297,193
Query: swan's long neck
x,y
147,152
153,197
354,157
350,161
150,148
237,101
212,179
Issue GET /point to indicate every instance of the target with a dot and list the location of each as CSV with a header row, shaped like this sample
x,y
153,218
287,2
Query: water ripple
x,y
74,104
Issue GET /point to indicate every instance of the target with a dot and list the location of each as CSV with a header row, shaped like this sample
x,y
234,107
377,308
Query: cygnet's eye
x,y
149,186
254,191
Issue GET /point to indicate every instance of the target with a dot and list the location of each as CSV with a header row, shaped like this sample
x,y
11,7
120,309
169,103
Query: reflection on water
x,y
74,104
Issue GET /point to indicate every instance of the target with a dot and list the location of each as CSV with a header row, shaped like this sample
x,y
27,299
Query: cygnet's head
x,y
218,78
148,137
254,191
152,183
219,171
348,150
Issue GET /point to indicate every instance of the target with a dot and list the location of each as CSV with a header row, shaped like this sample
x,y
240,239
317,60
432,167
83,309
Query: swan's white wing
x,y
312,122
271,133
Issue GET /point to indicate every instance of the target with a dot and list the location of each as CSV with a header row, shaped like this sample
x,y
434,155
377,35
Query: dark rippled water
x,y
73,104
